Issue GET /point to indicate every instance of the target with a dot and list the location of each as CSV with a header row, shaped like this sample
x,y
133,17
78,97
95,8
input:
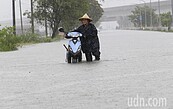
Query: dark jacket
x,y
90,40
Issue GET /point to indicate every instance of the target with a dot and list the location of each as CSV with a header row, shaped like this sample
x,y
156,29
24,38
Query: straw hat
x,y
85,17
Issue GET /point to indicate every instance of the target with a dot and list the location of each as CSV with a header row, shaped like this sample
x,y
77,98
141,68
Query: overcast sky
x,y
6,11
113,3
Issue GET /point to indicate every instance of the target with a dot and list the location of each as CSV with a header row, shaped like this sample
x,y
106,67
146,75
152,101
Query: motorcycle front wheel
x,y
74,60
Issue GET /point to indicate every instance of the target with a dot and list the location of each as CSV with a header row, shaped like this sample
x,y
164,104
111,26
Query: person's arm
x,y
75,30
79,29
67,37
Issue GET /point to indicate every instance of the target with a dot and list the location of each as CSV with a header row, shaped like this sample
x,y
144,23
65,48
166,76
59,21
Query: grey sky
x,y
113,3
6,11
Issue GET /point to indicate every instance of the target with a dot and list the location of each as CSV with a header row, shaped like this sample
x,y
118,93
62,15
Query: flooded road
x,y
132,63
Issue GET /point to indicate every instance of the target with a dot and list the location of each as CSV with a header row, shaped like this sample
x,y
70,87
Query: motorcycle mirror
x,y
61,29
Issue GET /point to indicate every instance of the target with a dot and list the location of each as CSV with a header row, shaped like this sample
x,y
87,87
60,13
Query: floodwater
x,y
132,63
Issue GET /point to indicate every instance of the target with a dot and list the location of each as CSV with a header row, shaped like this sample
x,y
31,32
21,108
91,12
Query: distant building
x,y
110,25
121,13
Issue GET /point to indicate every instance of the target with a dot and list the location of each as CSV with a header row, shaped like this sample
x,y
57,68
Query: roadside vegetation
x,y
10,42
141,18
166,20
141,14
64,13
51,14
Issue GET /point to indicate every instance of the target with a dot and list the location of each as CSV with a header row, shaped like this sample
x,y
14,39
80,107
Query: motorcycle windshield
x,y
74,34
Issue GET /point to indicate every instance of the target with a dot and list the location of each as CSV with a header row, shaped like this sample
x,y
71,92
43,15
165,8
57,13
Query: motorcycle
x,y
74,51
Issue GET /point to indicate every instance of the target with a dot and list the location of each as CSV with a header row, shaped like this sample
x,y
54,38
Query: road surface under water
x,y
133,63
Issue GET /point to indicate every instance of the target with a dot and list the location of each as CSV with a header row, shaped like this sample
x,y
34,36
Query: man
x,y
90,40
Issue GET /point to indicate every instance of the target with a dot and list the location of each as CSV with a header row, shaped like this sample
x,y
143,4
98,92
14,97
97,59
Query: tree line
x,y
54,14
65,13
147,17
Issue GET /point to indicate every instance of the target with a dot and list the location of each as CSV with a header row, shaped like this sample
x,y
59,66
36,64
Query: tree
x,y
138,16
166,20
95,10
62,12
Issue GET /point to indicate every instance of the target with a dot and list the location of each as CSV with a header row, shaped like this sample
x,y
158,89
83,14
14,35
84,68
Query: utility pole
x,y
21,18
145,13
141,18
172,10
151,14
14,17
145,16
46,29
32,17
159,13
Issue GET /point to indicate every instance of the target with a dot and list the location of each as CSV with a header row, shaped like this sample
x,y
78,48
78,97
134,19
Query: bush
x,y
35,38
30,38
8,41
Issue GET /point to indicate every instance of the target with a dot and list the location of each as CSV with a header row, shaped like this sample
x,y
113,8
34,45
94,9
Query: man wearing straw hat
x,y
90,40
